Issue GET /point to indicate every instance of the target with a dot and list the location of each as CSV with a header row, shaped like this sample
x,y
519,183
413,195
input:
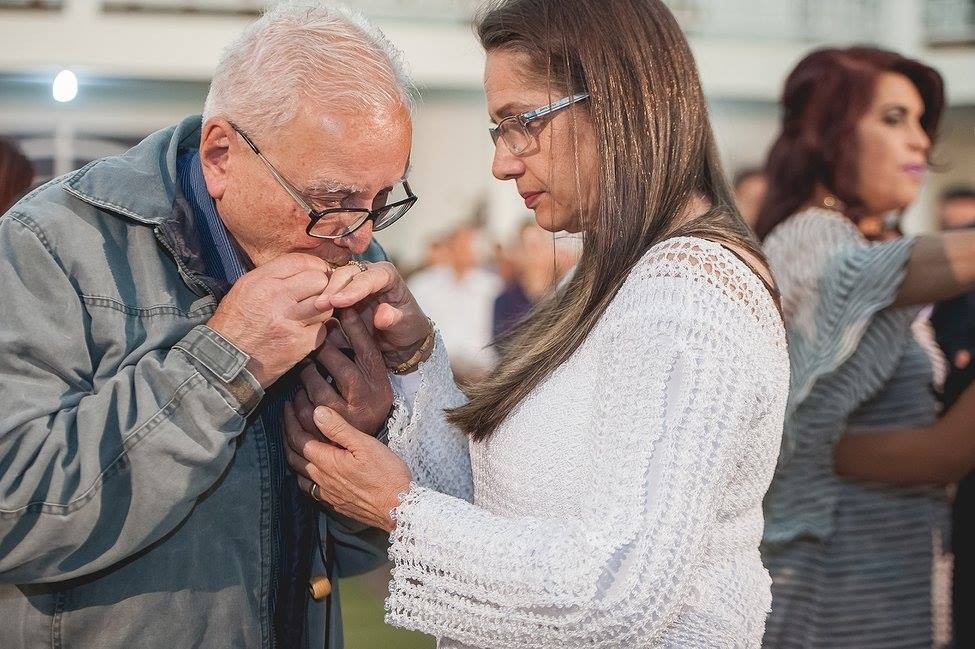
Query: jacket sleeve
x,y
92,472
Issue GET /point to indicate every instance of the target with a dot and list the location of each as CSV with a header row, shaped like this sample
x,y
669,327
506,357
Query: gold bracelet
x,y
414,360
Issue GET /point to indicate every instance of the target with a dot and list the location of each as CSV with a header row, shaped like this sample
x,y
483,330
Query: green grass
x,y
362,616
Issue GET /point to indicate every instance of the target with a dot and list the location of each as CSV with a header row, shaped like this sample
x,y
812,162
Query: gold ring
x,y
313,492
358,264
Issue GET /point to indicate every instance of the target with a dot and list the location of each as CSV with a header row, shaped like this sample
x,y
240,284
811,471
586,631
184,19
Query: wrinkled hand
x,y
400,324
361,393
272,314
357,475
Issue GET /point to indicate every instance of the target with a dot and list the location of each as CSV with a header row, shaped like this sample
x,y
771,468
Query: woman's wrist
x,y
393,503
404,361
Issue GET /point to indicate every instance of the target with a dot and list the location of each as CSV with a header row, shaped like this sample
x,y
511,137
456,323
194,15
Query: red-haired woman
x,y
857,508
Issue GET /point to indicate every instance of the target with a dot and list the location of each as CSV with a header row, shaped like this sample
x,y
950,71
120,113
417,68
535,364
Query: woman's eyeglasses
x,y
514,130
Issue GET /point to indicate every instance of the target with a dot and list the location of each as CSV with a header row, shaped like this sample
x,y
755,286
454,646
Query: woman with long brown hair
x,y
857,515
603,488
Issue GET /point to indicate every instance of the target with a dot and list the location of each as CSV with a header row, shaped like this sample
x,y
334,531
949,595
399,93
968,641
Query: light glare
x,y
65,86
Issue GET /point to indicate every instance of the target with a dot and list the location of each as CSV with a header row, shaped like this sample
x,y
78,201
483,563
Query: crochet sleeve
x,y
436,452
675,398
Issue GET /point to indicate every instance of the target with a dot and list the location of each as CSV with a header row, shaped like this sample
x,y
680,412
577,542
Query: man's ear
x,y
216,140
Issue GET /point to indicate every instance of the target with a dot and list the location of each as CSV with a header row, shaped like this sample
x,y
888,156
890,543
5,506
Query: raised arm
x,y
938,454
436,452
941,266
92,473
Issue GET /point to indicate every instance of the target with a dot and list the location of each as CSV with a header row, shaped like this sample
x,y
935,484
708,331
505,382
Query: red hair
x,y
824,97
16,174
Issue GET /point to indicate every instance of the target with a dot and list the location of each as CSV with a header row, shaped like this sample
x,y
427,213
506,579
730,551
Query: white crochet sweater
x,y
620,504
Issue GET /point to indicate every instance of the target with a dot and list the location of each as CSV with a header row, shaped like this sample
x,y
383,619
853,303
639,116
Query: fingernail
x,y
321,413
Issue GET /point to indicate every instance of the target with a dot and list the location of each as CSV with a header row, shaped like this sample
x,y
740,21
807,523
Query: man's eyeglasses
x,y
333,223
514,130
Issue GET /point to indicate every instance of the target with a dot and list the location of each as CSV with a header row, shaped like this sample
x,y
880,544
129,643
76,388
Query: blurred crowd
x,y
476,288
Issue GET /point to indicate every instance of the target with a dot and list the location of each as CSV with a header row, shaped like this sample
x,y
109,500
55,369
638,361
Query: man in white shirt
x,y
459,296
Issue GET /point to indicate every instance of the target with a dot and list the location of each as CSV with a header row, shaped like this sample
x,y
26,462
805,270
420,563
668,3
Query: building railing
x,y
946,22
429,10
778,20
43,5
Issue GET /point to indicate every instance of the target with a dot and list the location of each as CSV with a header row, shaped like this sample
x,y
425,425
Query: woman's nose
x,y
506,165
920,139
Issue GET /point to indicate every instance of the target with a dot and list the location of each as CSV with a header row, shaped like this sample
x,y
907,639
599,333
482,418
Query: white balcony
x,y
744,47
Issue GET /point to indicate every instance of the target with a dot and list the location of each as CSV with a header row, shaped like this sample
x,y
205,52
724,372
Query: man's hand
x,y
400,324
361,392
272,314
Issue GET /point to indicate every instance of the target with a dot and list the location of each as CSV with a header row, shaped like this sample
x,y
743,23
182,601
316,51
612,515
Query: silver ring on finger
x,y
313,492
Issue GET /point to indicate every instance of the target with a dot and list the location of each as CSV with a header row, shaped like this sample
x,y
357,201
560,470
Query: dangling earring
x,y
830,202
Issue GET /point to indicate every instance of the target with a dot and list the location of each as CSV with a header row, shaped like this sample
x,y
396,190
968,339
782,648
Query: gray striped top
x,y
851,561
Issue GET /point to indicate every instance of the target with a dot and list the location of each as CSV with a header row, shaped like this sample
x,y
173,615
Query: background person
x,y
857,515
16,174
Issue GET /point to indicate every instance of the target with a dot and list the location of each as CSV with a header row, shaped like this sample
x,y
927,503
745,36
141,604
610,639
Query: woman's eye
x,y
892,120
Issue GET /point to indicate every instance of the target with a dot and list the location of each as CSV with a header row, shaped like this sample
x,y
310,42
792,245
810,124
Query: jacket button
x,y
319,587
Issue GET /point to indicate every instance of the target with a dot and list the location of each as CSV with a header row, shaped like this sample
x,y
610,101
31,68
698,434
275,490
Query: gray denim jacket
x,y
136,490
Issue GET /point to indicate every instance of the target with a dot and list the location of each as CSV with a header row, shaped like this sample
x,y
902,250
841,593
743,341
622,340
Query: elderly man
x,y
155,305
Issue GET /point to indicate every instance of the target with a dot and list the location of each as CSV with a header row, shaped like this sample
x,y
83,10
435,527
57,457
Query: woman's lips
x,y
916,171
532,198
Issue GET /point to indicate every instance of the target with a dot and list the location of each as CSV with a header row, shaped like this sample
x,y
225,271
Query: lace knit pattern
x,y
620,503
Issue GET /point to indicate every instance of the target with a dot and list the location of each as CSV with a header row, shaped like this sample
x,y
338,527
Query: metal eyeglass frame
x,y
524,119
315,216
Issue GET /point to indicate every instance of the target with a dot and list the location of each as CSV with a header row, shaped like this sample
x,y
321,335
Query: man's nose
x,y
357,241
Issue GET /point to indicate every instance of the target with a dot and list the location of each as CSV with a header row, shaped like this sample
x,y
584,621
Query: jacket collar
x,y
140,184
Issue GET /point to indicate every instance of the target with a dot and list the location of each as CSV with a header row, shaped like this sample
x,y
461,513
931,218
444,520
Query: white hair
x,y
302,53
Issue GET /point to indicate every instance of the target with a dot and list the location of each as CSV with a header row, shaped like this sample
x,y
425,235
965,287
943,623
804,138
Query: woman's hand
x,y
401,326
354,473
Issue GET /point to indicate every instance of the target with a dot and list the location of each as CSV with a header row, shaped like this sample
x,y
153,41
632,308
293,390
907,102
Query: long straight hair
x,y
655,152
